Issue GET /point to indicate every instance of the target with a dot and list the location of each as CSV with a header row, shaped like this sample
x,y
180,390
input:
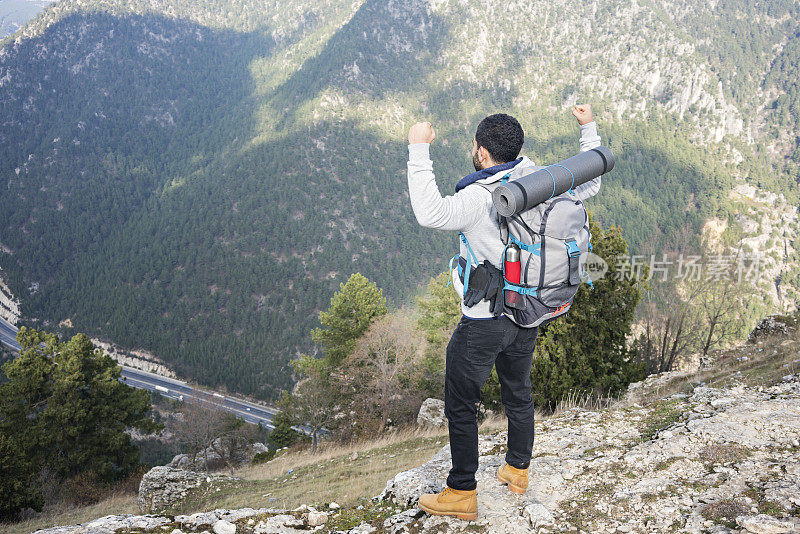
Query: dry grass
x,y
336,479
497,422
760,364
328,451
116,504
330,475
722,454
584,401
724,512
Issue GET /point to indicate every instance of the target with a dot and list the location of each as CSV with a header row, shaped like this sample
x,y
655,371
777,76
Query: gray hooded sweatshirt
x,y
470,210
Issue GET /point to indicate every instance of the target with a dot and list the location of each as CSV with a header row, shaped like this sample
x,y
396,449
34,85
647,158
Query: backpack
x,y
554,241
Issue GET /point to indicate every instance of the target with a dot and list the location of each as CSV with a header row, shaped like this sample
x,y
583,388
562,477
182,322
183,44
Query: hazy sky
x,y
15,13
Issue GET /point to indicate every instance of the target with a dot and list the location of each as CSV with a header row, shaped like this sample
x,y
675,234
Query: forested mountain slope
x,y
197,177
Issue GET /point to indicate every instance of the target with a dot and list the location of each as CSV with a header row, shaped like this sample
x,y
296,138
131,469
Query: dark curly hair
x,y
502,136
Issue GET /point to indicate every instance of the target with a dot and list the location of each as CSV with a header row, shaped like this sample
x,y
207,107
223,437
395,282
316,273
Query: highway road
x,y
169,387
8,334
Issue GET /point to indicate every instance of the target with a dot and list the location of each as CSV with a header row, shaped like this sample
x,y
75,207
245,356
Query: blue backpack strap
x,y
469,261
533,249
450,270
519,289
570,172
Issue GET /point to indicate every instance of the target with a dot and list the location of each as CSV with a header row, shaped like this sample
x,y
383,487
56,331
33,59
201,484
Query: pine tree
x,y
352,310
18,488
283,435
440,311
585,353
65,406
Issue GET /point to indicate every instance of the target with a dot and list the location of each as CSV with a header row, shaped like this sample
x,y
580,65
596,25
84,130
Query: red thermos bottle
x,y
513,271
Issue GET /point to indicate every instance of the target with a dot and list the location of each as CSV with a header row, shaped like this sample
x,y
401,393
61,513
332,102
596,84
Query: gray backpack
x,y
554,242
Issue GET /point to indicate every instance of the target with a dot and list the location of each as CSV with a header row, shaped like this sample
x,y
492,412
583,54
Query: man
x,y
482,340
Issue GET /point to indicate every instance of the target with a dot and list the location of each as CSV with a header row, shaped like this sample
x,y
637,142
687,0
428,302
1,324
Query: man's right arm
x,y
457,212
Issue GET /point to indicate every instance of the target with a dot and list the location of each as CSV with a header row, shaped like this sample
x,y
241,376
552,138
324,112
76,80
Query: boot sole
x,y
465,517
511,487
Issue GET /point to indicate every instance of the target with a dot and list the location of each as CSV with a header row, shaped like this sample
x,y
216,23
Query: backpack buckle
x,y
572,248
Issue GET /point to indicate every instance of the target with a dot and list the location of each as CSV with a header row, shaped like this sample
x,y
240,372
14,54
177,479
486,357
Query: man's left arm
x,y
589,139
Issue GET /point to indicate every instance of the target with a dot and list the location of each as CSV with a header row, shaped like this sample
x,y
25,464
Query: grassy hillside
x,y
297,477
197,178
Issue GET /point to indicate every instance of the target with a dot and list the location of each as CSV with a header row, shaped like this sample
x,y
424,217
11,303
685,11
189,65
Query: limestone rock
x,y
406,487
715,445
431,413
211,460
500,510
180,461
199,520
398,522
111,524
237,515
279,524
163,487
769,325
538,515
224,527
363,528
316,519
764,524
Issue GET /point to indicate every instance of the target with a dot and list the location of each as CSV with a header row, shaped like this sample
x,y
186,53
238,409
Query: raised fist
x,y
422,132
583,113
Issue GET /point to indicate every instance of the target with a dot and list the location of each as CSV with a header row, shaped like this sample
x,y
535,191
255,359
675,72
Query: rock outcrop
x,y
211,460
679,465
137,359
771,325
163,486
707,460
9,305
112,524
220,521
431,413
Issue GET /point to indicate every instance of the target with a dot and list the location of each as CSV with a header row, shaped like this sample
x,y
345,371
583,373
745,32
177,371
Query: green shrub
x,y
263,457
585,352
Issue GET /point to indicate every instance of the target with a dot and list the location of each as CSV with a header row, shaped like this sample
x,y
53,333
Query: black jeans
x,y
475,347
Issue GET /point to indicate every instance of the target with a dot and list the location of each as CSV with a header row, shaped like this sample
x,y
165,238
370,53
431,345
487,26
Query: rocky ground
x,y
715,460
674,455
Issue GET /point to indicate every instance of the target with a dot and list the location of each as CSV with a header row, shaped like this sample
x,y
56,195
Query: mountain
x,y
197,178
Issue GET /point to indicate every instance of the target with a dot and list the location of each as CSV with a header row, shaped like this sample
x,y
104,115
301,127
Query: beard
x,y
476,162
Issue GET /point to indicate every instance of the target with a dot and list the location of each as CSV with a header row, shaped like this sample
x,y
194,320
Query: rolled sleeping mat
x,y
544,184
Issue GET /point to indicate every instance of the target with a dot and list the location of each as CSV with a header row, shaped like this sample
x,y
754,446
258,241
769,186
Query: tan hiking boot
x,y
461,503
517,479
